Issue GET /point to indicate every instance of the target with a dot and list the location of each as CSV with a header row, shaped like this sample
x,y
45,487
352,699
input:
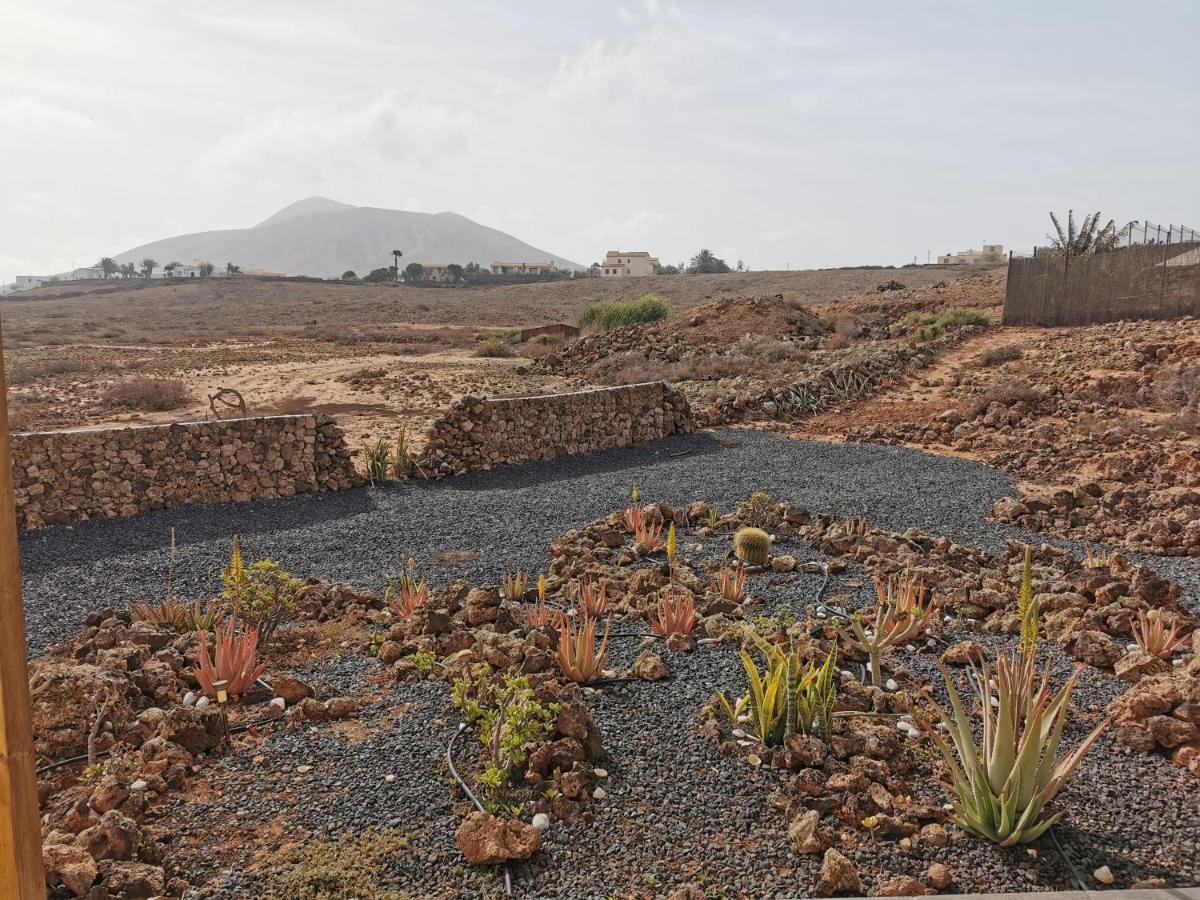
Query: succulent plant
x,y
901,614
646,532
752,545
1152,636
236,649
406,593
789,697
593,597
578,657
730,583
168,611
676,614
514,585
1003,787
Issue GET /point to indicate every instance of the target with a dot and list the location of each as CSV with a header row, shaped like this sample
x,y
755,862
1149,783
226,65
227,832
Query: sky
x,y
785,134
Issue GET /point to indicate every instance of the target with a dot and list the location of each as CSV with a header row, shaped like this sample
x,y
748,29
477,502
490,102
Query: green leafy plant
x,y
378,458
752,545
402,460
262,595
1003,786
606,315
1089,237
900,615
790,696
508,718
424,660
168,611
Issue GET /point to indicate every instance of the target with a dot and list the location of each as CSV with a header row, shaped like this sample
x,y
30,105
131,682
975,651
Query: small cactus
x,y
752,545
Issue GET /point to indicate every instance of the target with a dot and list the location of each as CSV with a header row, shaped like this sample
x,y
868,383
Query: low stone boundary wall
x,y
62,477
479,433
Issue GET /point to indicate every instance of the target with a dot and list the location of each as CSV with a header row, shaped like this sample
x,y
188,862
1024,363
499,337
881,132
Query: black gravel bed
x,y
675,811
507,516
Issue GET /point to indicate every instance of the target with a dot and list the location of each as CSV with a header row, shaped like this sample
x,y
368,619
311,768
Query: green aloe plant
x,y
1004,786
788,697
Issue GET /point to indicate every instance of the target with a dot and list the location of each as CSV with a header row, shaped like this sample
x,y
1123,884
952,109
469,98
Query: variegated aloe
x,y
1003,787
789,697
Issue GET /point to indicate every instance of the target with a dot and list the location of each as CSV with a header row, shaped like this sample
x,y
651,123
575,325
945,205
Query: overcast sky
x,y
788,133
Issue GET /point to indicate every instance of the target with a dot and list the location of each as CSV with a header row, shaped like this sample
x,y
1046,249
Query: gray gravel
x,y
508,516
675,810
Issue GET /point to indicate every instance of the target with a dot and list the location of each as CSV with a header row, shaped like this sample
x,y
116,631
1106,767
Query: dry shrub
x,y
494,348
1006,393
765,348
845,330
28,373
996,356
151,394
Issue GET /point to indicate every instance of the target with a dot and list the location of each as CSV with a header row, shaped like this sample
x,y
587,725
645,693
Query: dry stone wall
x,y
479,433
70,476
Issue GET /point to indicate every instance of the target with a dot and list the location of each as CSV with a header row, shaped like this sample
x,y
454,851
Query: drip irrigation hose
x,y
1067,860
462,726
101,754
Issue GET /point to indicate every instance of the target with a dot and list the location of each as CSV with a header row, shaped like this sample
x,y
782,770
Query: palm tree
x,y
706,262
231,269
108,266
1090,237
396,254
170,268
148,267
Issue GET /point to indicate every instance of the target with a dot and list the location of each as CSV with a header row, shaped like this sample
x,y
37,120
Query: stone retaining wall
x,y
70,476
479,433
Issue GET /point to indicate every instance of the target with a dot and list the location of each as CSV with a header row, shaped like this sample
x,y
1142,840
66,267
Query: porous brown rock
x,y
804,833
901,886
292,690
485,839
70,866
64,477
649,666
839,875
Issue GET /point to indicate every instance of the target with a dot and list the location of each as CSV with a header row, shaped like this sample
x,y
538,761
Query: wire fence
x,y
1144,280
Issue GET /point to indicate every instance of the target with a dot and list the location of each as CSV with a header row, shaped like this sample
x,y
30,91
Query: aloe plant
x,y
730,583
1153,637
406,593
513,586
676,614
234,662
645,532
788,697
1003,787
593,597
900,615
578,657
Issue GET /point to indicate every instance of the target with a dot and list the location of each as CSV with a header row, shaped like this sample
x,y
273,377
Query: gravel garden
x,y
550,682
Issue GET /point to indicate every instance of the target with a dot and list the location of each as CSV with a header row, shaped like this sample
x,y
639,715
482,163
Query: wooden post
x,y
20,829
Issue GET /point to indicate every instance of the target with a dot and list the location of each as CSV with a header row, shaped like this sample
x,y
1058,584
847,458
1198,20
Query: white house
x,y
524,268
439,272
991,254
180,272
620,263
25,282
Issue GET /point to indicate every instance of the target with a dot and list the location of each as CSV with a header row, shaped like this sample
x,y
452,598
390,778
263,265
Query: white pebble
x,y
911,648
931,643
278,703
946,619
891,685
140,785
738,733
1103,875
189,698
1177,662
598,794
201,703
389,778
600,773
541,822
1131,647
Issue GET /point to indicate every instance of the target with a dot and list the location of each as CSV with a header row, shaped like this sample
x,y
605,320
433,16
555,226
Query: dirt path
x,y
913,399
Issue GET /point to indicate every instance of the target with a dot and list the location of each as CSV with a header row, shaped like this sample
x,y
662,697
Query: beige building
x,y
619,263
991,254
524,268
439,272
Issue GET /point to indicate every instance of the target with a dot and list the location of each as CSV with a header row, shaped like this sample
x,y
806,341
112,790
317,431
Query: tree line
x,y
109,268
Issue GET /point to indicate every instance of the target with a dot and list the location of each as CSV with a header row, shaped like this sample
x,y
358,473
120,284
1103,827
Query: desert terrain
x,y
379,357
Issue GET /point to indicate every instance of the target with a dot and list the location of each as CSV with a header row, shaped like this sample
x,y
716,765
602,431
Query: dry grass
x,y
495,348
151,394
996,356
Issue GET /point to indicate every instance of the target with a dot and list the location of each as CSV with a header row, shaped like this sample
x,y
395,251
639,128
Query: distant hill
x,y
324,238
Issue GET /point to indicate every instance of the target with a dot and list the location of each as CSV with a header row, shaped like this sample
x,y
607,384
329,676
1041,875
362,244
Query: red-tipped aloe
x,y
676,614
235,663
1004,786
1153,637
577,654
407,593
645,532
901,615
730,583
593,597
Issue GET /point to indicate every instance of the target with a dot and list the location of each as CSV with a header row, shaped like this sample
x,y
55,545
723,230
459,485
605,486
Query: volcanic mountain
x,y
324,238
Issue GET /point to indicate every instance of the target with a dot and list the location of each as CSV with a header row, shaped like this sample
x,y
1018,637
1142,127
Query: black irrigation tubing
x,y
101,754
462,726
1067,860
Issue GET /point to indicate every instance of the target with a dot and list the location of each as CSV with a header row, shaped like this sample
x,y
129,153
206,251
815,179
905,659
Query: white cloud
x,y
316,145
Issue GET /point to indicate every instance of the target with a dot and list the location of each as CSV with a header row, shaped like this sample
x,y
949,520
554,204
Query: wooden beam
x,y
20,829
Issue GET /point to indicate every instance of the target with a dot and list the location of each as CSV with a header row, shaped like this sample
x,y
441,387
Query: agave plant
x,y
406,593
236,649
577,654
789,697
900,615
514,586
168,611
593,597
645,532
1152,636
1003,787
730,583
676,614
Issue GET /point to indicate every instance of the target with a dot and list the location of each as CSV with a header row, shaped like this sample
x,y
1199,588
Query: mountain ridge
x,y
323,237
